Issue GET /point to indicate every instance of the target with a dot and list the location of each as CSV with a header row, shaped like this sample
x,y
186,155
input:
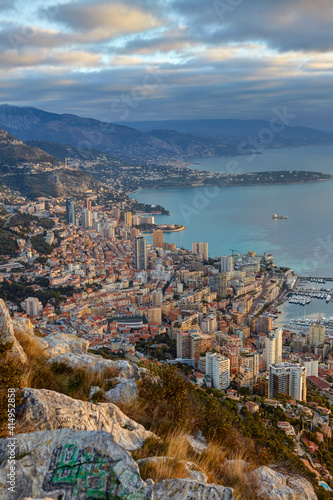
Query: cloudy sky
x,y
159,59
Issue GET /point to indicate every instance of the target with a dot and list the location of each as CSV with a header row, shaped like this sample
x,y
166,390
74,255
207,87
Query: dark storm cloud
x,y
283,24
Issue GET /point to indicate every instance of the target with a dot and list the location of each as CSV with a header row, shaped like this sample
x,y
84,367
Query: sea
x,y
239,218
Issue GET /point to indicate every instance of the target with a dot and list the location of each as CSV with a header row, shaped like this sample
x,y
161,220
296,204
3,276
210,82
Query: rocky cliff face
x,y
7,334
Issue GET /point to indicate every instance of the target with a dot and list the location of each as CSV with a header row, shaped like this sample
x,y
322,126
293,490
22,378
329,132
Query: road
x,y
256,302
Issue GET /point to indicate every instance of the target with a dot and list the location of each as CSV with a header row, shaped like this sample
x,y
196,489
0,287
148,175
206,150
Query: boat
x,y
276,216
328,298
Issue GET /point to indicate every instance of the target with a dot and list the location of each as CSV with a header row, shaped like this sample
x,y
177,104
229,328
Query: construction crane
x,y
234,252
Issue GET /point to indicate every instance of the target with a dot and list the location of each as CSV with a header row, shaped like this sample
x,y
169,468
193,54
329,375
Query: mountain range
x,y
157,142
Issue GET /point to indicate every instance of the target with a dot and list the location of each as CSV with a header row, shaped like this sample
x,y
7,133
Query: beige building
x,y
155,315
158,238
317,334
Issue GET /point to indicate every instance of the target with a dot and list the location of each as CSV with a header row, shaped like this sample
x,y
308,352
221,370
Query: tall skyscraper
x,y
70,211
317,334
158,238
200,248
218,368
87,203
140,253
219,283
273,345
289,379
227,264
128,218
86,218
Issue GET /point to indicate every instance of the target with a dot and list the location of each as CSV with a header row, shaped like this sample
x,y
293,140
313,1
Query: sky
x,y
131,60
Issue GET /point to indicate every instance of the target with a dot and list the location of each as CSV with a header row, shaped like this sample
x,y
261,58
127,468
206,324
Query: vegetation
x,y
10,378
17,292
170,402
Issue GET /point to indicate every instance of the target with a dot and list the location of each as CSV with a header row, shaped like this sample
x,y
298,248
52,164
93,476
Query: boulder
x,y
96,363
23,326
197,443
45,410
7,334
187,489
193,470
70,465
277,486
125,391
62,343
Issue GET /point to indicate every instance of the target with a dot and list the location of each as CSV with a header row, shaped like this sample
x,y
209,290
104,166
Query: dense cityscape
x,y
79,269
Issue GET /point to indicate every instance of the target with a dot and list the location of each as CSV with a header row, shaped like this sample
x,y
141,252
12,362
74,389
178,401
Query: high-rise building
x,y
87,203
310,362
86,218
289,379
273,348
219,283
157,297
70,211
155,315
317,334
128,218
200,248
158,238
227,264
134,233
33,307
264,324
218,368
140,253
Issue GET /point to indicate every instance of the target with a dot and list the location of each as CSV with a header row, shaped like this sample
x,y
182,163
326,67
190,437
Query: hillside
x,y
14,153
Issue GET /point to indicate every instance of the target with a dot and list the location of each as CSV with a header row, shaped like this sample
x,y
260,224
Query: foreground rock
x,y
96,363
61,343
44,410
71,465
198,443
7,334
80,465
277,486
23,326
125,391
188,489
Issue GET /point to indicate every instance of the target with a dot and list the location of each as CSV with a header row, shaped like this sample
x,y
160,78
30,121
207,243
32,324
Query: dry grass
x,y
220,464
74,382
163,469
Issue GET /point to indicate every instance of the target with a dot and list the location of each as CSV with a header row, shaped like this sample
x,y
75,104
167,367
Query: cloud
x,y
104,20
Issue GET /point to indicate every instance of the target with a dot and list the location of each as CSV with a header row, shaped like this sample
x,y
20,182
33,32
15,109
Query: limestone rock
x,y
188,489
95,363
71,465
197,443
62,343
193,470
23,326
277,486
7,334
45,410
93,390
125,391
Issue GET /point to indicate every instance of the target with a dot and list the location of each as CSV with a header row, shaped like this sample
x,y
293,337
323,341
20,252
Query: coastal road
x,y
264,285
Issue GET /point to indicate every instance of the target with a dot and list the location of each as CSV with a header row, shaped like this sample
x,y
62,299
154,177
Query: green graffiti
x,y
82,471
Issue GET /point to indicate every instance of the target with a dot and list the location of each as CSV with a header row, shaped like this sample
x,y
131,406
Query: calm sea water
x,y
240,218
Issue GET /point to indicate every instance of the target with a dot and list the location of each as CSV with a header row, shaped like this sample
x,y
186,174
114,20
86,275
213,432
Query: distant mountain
x,y
227,129
117,140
